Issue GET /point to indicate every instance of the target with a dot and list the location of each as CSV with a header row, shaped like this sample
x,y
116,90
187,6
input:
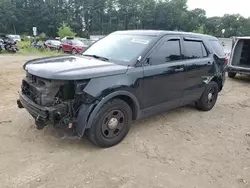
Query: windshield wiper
x,y
97,57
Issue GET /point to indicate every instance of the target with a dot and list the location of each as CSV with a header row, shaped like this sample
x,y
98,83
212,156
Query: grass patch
x,y
26,49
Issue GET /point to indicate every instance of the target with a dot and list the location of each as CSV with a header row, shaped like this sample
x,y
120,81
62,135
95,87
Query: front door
x,y
66,45
163,76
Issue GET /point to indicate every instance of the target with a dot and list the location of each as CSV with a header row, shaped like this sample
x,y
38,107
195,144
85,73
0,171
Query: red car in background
x,y
72,46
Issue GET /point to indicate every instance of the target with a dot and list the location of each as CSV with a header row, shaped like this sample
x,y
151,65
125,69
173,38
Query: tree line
x,y
89,17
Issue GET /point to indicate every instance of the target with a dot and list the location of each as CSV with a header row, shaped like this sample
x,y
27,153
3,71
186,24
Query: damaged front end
x,y
56,102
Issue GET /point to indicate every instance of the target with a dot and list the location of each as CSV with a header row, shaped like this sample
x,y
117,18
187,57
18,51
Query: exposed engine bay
x,y
58,100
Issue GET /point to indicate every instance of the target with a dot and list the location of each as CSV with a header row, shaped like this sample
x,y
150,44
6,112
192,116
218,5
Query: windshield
x,y
16,37
122,48
55,42
77,42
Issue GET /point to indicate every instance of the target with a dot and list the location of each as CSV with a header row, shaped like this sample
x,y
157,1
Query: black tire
x,y
100,132
209,97
231,74
74,52
60,50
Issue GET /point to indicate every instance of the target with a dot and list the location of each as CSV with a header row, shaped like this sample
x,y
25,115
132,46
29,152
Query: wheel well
x,y
218,81
131,103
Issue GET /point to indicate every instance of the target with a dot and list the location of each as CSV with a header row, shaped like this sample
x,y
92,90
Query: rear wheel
x,y
231,74
111,124
208,98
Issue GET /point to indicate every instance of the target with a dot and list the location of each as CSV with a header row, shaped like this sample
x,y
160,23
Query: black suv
x,y
125,76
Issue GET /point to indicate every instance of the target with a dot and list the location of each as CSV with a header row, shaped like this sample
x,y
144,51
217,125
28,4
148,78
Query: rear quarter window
x,y
217,48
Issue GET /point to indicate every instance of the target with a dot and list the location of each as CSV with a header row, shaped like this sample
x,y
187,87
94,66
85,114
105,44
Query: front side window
x,y
194,49
69,42
120,47
169,51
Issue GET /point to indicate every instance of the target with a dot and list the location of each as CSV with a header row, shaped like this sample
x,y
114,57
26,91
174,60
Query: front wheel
x,y
209,97
74,51
60,50
111,124
231,74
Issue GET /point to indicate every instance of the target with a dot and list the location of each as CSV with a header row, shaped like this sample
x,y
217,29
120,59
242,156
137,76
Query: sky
x,y
221,7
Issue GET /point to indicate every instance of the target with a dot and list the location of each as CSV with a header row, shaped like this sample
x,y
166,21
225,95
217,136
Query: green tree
x,y
64,30
7,17
86,17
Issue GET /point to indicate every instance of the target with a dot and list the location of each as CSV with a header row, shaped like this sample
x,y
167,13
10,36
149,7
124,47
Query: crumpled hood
x,y
66,67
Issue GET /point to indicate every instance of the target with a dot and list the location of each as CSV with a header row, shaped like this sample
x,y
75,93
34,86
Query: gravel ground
x,y
183,148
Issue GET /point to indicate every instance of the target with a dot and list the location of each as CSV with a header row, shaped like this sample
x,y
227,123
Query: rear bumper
x,y
240,70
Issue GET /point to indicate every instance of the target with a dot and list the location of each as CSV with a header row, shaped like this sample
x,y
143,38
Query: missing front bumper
x,y
73,124
35,110
54,115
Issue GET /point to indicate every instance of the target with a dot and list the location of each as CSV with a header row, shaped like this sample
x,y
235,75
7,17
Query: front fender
x,y
82,118
109,97
87,113
102,86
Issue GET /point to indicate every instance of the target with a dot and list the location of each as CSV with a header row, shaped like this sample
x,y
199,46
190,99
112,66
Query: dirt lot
x,y
183,148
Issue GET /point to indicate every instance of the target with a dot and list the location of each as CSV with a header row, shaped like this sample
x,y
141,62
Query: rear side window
x,y
218,49
168,52
194,49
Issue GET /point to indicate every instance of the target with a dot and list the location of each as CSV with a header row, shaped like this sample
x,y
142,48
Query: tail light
x,y
226,59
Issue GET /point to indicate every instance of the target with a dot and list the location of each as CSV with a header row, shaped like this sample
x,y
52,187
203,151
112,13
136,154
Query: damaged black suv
x,y
127,75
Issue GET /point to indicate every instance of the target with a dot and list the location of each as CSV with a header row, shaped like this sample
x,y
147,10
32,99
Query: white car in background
x,y
52,43
16,38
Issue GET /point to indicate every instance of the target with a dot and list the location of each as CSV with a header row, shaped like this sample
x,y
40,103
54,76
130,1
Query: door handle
x,y
179,70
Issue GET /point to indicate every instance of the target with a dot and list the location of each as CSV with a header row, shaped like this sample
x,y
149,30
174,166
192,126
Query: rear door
x,y
163,76
198,68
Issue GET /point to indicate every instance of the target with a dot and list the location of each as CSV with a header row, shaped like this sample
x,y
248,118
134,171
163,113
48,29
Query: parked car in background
x,y
72,46
81,39
16,38
52,44
67,38
240,57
